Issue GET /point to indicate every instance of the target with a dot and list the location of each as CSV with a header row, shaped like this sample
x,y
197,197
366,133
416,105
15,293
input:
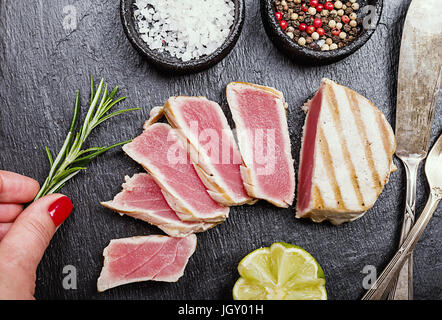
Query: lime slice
x,y
281,272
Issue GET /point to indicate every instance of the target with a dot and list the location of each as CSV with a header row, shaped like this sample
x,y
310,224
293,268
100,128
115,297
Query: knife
x,y
419,69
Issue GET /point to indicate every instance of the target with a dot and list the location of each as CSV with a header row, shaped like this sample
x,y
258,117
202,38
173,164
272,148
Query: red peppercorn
x,y
283,24
345,19
304,7
310,29
329,6
278,16
302,27
317,23
336,31
320,31
313,3
319,8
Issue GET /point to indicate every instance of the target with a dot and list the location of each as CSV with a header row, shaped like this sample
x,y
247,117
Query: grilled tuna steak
x,y
346,156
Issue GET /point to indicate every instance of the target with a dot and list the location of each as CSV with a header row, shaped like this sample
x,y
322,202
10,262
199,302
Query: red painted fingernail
x,y
60,209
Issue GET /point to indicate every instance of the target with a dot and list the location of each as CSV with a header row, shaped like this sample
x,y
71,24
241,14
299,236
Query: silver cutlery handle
x,y
402,285
377,290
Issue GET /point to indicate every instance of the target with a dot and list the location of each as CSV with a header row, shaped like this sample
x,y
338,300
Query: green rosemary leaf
x,y
76,112
58,186
76,145
74,120
110,105
112,94
85,129
67,172
103,99
50,158
89,150
86,159
113,114
60,155
55,165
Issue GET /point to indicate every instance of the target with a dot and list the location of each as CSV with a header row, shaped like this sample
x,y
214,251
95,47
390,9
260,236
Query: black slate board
x,y
41,66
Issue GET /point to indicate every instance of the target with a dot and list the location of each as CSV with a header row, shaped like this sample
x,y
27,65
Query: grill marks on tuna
x,y
141,198
346,157
158,258
161,151
213,149
259,114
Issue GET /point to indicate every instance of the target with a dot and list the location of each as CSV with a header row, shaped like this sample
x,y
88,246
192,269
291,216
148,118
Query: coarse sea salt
x,y
186,29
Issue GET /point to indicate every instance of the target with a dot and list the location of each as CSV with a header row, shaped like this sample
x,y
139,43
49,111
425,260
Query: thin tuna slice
x,y
157,258
346,156
141,198
161,151
214,151
259,114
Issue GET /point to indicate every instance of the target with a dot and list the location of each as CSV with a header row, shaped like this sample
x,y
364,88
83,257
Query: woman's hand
x,y
25,234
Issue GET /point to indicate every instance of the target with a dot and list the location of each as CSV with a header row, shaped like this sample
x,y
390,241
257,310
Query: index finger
x,y
15,188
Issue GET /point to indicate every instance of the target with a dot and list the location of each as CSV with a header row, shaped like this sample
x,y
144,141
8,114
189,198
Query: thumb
x,y
29,236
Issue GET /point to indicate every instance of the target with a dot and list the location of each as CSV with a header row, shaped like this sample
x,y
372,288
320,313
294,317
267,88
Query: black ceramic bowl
x,y
171,64
308,56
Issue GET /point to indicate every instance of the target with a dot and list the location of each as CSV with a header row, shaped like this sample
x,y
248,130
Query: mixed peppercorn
x,y
319,24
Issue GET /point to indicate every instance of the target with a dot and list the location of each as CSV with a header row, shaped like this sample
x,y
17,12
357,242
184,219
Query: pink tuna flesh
x,y
158,258
223,153
308,153
143,193
162,153
260,111
142,198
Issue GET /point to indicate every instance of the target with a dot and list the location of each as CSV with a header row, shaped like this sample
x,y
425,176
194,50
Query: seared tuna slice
x,y
346,157
259,114
157,258
214,151
162,152
141,198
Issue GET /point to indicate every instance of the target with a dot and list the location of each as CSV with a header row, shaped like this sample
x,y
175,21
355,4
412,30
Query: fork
x,y
433,171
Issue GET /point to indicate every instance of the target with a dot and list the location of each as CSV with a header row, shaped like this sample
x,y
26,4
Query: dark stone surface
x,y
41,66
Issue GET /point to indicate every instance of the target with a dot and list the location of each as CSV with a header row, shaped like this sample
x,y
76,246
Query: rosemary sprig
x,y
72,158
